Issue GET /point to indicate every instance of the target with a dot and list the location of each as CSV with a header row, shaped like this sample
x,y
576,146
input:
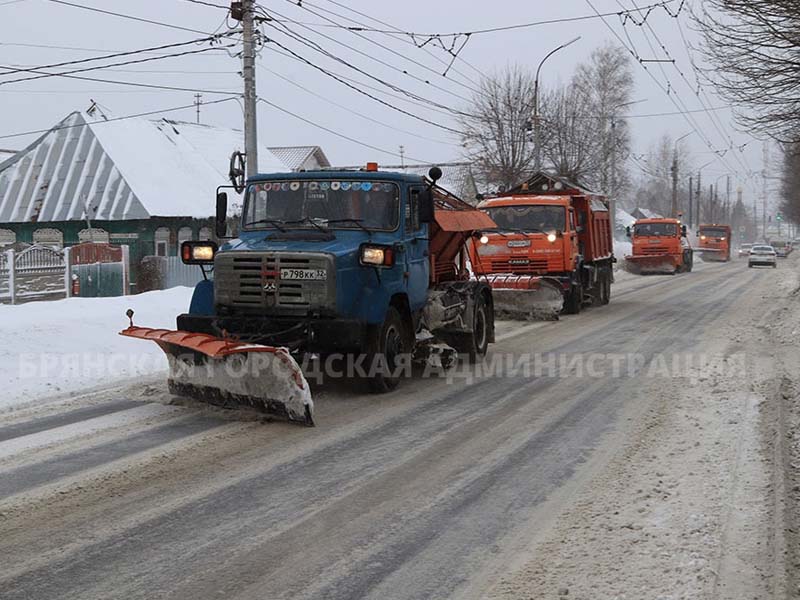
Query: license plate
x,y
304,274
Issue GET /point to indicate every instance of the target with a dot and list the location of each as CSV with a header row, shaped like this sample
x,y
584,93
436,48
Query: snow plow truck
x,y
552,249
365,264
659,246
714,242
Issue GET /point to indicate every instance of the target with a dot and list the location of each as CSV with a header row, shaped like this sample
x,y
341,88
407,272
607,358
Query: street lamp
x,y
536,125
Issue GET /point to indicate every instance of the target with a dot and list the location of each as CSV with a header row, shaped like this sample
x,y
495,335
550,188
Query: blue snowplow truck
x,y
368,264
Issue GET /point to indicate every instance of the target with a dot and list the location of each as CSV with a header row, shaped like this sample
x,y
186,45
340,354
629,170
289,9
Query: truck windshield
x,y
546,219
713,232
660,229
314,203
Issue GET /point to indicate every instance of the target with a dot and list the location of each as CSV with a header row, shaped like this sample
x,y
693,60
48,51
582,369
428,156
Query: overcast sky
x,y
33,105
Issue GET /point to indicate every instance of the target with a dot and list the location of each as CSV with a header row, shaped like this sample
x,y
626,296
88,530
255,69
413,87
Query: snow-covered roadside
x,y
54,348
703,502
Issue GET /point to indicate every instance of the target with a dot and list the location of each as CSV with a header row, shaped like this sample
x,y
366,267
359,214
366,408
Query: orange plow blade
x,y
650,263
232,374
526,297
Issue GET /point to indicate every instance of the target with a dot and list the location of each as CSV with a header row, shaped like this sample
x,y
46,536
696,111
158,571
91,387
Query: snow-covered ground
x,y
54,348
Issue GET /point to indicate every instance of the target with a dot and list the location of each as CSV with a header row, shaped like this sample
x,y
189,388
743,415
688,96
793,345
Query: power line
x,y
350,110
305,7
137,84
333,132
120,54
129,17
112,119
396,33
368,95
44,74
370,57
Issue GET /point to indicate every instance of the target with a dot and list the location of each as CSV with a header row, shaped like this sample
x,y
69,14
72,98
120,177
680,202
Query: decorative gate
x,y
37,272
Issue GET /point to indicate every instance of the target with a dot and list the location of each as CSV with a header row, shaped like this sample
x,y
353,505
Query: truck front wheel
x,y
385,353
574,300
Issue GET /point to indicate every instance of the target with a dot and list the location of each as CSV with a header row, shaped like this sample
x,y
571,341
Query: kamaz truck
x,y
552,249
714,242
365,264
659,246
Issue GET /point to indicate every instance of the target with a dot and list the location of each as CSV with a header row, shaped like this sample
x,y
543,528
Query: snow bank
x,y
50,348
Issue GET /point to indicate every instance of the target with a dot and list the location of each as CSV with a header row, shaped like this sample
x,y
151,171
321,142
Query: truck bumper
x,y
307,335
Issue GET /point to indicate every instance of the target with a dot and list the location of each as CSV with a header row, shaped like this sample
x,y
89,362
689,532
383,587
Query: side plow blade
x,y
232,374
525,297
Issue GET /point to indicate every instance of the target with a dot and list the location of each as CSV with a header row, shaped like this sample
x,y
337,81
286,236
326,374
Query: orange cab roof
x,y
664,220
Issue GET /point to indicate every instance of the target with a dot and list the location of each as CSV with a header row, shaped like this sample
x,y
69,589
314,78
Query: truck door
x,y
417,260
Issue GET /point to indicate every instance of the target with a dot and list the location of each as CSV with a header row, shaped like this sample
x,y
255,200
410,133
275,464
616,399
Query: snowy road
x,y
440,490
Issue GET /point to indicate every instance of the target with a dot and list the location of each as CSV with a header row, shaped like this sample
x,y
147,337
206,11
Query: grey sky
x,y
39,104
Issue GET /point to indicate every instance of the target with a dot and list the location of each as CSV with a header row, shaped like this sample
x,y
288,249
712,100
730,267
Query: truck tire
x,y
605,297
574,300
384,346
479,340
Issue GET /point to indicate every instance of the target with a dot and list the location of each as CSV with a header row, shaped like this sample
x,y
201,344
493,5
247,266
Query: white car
x,y
744,249
763,255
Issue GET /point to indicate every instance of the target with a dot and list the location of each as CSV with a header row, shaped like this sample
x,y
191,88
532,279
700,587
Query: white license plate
x,y
304,274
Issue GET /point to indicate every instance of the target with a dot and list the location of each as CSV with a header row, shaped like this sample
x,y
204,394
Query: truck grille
x,y
655,250
251,282
534,265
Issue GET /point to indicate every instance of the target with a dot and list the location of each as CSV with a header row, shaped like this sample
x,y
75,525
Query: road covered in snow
x,y
645,449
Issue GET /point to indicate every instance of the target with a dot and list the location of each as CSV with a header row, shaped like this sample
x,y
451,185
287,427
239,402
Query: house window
x,y
205,234
52,238
162,241
184,235
7,237
96,235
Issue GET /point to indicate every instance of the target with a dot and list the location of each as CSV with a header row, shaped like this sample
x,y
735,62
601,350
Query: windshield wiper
x,y
522,229
275,224
358,222
308,220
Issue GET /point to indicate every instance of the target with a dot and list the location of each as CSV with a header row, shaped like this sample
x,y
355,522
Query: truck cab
x,y
714,242
551,230
352,262
659,246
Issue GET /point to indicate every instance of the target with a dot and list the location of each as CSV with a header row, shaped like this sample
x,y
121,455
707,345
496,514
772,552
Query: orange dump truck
x,y
659,246
715,242
552,249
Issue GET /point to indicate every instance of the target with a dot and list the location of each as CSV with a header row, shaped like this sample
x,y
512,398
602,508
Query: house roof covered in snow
x,y
624,218
116,170
645,213
298,157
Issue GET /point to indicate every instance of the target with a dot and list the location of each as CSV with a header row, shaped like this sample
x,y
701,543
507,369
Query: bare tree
x,y
752,46
653,188
790,183
571,146
496,128
606,80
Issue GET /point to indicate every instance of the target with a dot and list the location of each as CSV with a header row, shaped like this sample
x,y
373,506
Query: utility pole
x,y
699,194
764,174
726,214
250,96
691,222
402,157
198,100
675,185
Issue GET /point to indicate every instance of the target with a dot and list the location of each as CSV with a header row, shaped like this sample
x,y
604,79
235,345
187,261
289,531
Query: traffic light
x,y
779,217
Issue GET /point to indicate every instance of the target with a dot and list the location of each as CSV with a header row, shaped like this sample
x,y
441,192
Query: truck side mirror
x,y
683,230
426,206
628,231
221,224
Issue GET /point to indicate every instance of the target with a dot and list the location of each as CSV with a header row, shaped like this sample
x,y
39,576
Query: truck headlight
x,y
702,237
198,253
721,239
484,239
551,237
377,256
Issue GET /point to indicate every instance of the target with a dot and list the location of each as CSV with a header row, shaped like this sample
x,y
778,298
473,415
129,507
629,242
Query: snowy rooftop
x,y
126,169
294,157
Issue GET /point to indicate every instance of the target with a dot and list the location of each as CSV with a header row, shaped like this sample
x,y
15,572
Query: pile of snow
x,y
51,348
